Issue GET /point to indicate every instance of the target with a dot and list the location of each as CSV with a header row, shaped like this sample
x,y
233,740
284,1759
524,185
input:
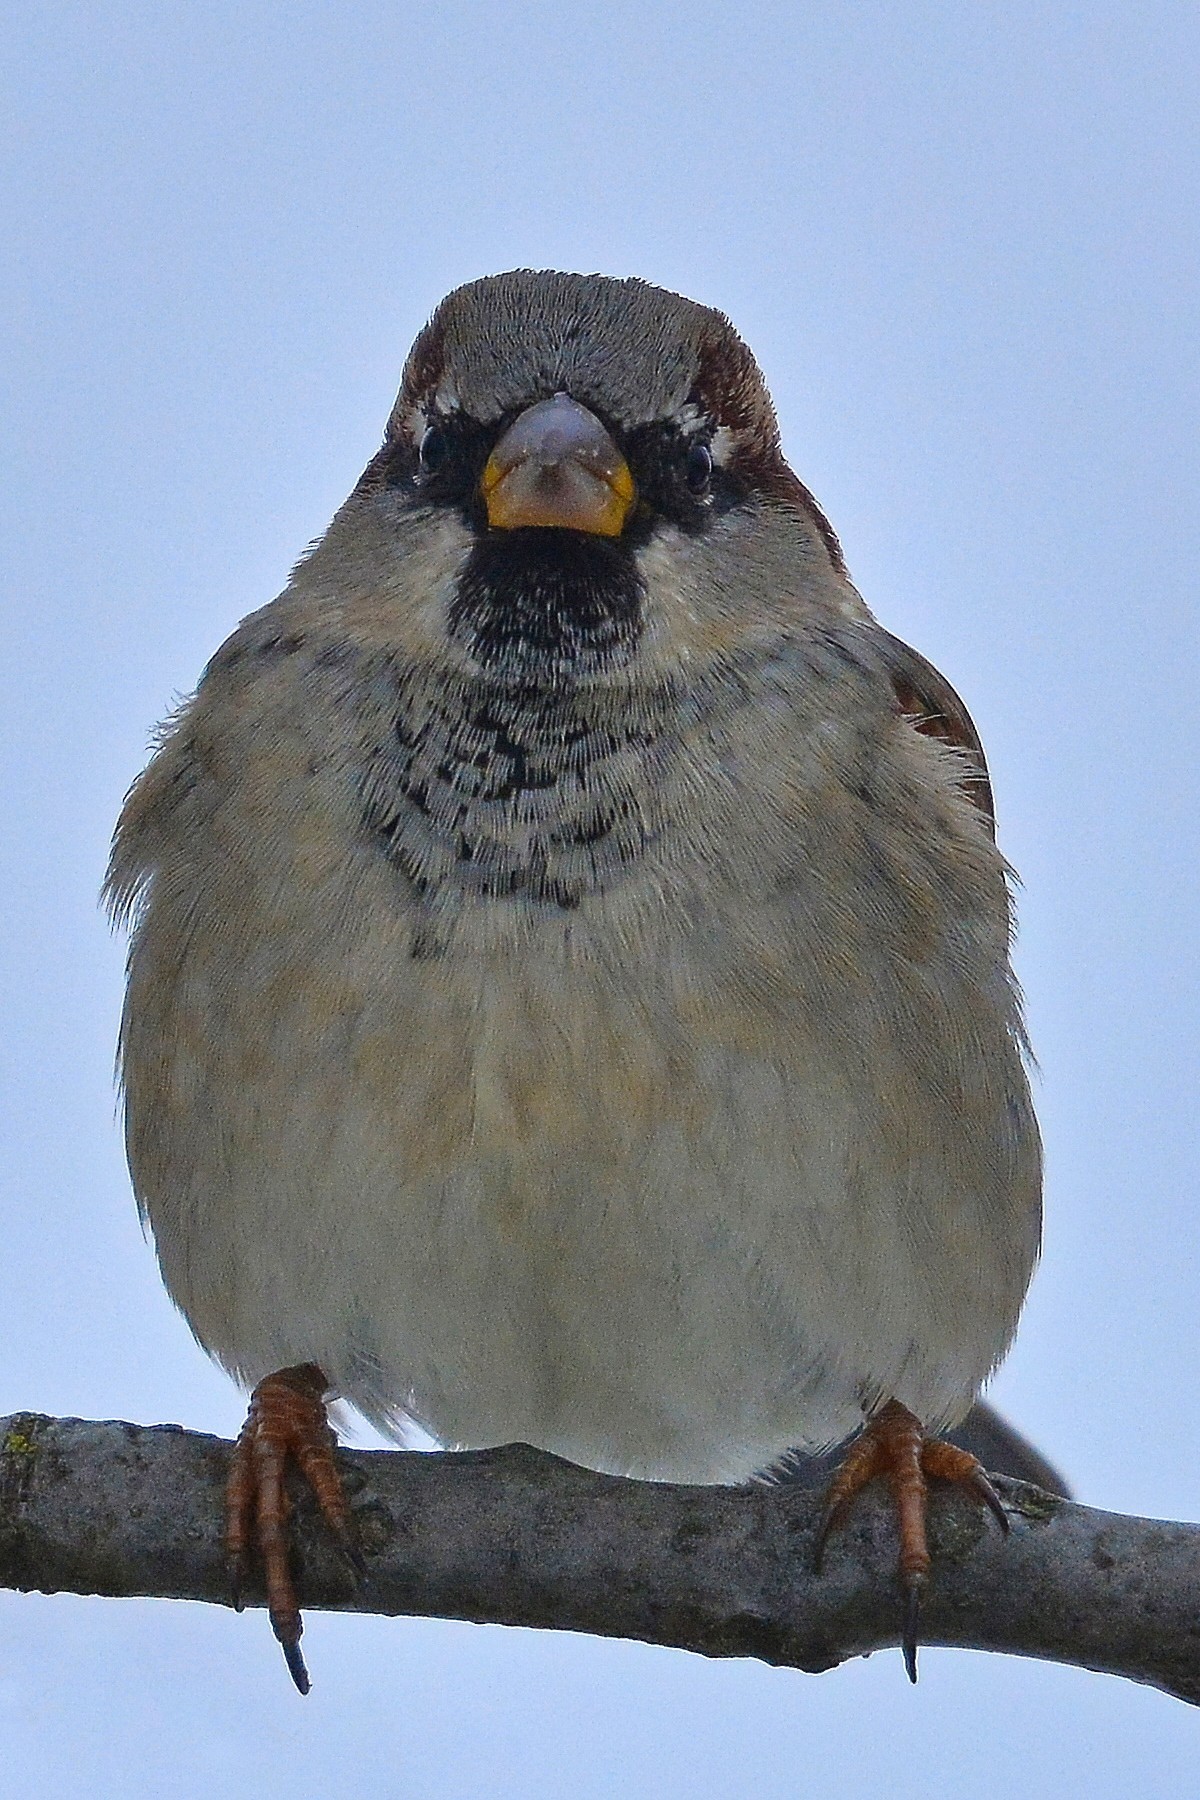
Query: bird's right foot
x,y
287,1418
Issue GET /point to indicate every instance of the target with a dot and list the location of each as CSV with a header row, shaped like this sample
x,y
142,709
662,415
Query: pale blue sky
x,y
963,242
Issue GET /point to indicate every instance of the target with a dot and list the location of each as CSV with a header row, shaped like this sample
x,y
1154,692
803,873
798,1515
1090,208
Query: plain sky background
x,y
962,240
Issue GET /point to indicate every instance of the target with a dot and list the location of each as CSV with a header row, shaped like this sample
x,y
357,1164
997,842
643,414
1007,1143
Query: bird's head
x,y
581,476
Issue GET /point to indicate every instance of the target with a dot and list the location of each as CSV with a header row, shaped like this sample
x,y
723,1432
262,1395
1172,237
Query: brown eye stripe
x,y
422,373
729,388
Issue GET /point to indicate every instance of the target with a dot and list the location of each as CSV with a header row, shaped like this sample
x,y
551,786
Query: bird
x,y
569,994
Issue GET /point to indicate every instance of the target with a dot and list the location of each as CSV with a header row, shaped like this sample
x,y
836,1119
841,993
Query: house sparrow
x,y
569,995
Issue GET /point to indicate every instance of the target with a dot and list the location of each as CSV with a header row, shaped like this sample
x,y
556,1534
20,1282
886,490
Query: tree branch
x,y
516,1537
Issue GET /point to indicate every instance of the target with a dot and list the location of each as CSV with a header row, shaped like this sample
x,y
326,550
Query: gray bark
x,y
513,1536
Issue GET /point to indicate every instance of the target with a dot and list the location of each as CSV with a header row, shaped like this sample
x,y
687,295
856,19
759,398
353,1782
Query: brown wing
x,y
935,709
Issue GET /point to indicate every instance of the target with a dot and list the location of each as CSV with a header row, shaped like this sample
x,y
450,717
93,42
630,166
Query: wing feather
x,y
926,697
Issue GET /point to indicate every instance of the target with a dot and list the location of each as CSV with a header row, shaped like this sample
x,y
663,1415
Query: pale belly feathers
x,y
665,1184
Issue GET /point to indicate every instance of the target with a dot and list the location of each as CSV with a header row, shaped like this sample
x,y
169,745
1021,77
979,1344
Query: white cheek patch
x,y
689,417
418,417
724,443
413,423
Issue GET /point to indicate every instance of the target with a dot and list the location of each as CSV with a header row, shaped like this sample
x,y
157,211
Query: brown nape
x,y
778,480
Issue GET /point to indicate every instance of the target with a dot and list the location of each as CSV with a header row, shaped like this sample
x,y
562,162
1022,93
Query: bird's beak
x,y
557,465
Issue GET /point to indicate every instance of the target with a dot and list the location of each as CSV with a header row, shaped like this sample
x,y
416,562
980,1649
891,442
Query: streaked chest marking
x,y
495,792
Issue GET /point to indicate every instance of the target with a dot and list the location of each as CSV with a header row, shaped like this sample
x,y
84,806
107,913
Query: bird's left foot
x,y
894,1445
287,1419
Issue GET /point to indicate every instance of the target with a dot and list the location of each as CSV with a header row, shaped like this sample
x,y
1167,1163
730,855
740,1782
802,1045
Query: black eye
x,y
435,448
698,469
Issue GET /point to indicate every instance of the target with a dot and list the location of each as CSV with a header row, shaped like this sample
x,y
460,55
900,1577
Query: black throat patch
x,y
542,602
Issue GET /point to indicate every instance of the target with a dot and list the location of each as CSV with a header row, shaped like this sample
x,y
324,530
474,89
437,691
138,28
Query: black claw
x,y
348,1550
293,1657
236,1572
355,1558
912,1618
824,1531
987,1493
